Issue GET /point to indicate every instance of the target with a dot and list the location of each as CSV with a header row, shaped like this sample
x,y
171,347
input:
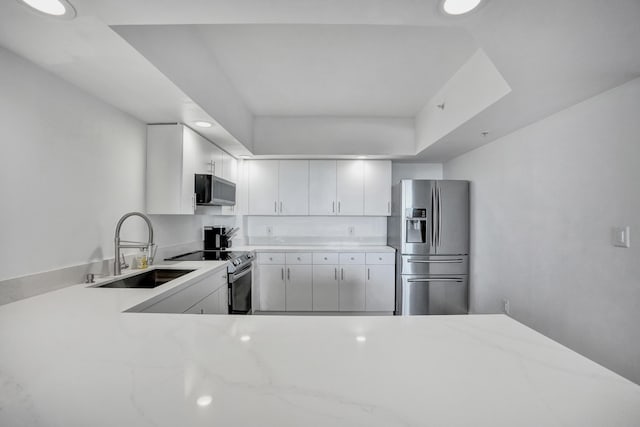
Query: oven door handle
x,y
233,277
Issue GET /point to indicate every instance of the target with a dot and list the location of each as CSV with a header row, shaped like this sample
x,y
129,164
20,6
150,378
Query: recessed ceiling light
x,y
459,7
245,338
57,8
204,400
361,338
361,157
202,124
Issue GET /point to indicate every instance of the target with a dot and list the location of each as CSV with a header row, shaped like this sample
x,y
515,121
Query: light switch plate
x,y
622,236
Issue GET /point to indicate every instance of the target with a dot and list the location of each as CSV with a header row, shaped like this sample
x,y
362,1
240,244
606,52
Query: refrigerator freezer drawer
x,y
435,295
435,264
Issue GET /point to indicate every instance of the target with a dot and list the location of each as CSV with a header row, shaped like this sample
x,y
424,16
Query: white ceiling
x,y
337,70
291,58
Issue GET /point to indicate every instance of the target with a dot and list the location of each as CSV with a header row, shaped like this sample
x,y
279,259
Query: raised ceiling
x,y
337,70
363,59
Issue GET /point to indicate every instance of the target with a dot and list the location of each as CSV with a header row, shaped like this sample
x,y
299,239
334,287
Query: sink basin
x,y
148,279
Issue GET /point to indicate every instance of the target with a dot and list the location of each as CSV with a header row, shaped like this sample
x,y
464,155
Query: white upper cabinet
x,y
172,160
377,187
215,160
322,187
263,187
350,187
229,168
293,187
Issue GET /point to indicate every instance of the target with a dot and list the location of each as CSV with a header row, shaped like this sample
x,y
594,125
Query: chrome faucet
x,y
117,267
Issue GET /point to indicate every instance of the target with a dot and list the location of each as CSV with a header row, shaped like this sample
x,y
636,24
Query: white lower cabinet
x,y
298,293
325,287
352,288
326,281
189,299
215,303
380,288
272,287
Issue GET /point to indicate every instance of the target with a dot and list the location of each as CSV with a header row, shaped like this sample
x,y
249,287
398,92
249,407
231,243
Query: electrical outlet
x,y
506,307
269,230
622,236
351,230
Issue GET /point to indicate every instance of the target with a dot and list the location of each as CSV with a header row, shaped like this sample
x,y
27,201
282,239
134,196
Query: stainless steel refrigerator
x,y
429,227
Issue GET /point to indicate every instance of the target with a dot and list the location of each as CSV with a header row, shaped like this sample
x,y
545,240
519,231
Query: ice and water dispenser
x,y
416,225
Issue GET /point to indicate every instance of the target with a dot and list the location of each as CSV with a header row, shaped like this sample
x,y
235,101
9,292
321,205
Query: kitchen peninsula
x,y
76,359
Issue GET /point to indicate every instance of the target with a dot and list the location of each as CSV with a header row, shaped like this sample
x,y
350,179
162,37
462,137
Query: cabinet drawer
x,y
271,258
320,258
352,258
293,258
381,258
181,301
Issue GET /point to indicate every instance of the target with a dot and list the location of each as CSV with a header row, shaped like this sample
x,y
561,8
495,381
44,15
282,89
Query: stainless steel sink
x,y
148,279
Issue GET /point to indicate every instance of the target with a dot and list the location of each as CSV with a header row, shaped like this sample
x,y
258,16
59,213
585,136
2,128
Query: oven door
x,y
240,291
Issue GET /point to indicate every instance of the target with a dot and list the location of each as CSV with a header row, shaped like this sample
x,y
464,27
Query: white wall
x,y
544,200
415,171
316,230
473,88
333,135
70,166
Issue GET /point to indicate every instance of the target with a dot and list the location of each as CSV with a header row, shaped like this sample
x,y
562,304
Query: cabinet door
x,y
350,187
294,187
271,281
377,187
298,288
263,187
325,287
169,184
229,168
352,288
322,187
380,289
215,158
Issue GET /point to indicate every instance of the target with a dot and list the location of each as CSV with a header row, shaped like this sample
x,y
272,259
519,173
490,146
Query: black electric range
x,y
238,275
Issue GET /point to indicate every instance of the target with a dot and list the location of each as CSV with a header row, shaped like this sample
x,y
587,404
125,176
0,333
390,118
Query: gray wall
x,y
70,166
544,200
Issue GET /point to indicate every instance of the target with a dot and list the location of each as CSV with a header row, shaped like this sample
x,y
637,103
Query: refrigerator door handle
x,y
429,261
435,280
432,232
439,216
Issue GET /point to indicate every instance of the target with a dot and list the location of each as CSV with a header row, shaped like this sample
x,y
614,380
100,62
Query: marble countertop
x,y
73,358
314,248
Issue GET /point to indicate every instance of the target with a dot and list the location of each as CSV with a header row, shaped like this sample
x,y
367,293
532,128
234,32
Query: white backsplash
x,y
309,230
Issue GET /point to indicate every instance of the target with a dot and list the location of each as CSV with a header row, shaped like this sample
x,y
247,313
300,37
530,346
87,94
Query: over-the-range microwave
x,y
212,190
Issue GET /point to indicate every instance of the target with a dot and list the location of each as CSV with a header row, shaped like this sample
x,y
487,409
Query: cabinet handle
x,y
282,271
325,258
298,258
368,274
338,207
288,274
335,273
280,207
388,207
333,206
342,274
202,311
275,206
